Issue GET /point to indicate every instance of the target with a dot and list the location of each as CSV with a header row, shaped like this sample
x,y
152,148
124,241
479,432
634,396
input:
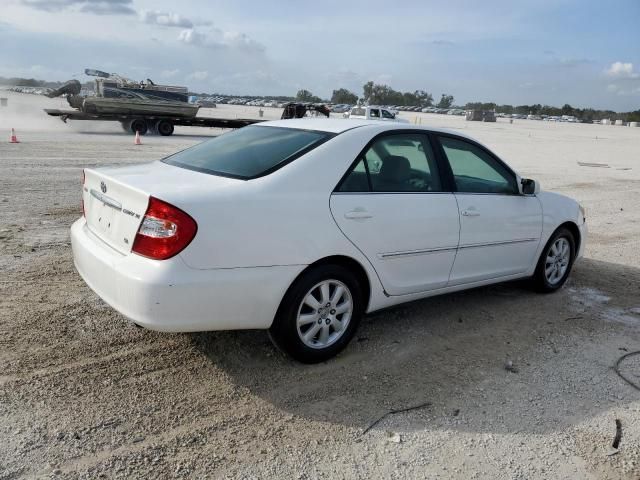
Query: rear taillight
x,y
164,232
84,214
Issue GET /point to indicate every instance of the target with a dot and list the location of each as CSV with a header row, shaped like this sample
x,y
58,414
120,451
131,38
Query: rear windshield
x,y
360,112
249,152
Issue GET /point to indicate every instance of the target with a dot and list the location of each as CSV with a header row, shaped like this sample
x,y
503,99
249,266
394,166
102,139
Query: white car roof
x,y
339,125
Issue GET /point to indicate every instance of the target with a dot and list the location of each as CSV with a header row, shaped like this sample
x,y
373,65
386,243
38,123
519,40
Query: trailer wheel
x,y
164,128
139,125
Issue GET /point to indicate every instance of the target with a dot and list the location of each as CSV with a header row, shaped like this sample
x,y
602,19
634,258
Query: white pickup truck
x,y
373,112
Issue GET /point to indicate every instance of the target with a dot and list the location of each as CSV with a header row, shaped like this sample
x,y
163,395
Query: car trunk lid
x,y
116,198
113,209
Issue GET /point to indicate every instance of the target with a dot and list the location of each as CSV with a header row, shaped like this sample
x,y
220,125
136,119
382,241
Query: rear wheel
x,y
319,314
139,125
555,261
164,128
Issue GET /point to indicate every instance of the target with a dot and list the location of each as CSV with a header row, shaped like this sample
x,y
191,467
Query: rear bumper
x,y
170,296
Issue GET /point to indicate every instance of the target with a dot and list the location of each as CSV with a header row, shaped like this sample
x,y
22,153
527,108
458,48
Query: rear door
x,y
500,228
394,208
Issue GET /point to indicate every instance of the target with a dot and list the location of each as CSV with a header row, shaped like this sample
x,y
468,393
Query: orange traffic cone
x,y
137,140
13,138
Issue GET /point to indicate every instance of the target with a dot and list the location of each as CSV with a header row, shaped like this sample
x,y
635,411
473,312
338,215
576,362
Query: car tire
x,y
319,314
555,262
139,125
164,127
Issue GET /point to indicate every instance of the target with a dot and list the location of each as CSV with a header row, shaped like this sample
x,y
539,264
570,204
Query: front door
x,y
499,228
392,207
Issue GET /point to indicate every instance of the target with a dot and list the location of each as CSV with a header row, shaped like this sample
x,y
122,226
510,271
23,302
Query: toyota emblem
x,y
103,187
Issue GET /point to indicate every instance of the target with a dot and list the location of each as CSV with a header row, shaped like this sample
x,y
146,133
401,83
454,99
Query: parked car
x,y
480,116
341,108
373,112
302,226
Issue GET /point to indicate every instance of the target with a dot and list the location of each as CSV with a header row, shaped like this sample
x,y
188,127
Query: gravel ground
x,y
85,394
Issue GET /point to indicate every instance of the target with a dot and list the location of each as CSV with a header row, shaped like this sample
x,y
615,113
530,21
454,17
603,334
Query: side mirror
x,y
529,187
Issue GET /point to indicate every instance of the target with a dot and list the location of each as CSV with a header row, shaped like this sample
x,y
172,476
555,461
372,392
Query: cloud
x,y
169,73
574,62
344,76
218,39
623,90
383,78
201,75
621,70
241,40
442,43
191,37
96,7
165,19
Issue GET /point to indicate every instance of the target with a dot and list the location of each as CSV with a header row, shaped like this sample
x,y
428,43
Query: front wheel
x,y
164,127
319,314
555,261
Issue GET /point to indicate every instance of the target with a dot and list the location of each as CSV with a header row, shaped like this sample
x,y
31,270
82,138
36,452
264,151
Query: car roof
x,y
339,125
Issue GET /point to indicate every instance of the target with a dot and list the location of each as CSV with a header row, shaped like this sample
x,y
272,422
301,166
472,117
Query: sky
x,y
582,52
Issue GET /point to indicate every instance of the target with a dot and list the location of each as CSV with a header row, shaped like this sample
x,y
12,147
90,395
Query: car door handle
x,y
358,214
470,213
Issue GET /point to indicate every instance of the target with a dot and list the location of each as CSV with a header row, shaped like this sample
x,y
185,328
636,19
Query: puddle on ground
x,y
593,299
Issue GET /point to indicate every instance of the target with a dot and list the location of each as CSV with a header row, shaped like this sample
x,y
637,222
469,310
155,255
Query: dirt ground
x,y
85,394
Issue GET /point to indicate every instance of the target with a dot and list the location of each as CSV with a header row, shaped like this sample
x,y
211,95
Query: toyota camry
x,y
303,226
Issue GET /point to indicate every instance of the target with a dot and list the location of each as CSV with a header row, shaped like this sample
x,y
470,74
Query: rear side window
x,y
249,152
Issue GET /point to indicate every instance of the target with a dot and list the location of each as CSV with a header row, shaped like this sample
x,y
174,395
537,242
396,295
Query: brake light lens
x,y
164,232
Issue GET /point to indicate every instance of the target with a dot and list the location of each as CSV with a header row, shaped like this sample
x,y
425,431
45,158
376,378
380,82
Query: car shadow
x,y
451,351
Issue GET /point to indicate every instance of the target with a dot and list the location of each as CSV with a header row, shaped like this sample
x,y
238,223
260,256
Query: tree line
x,y
380,94
584,114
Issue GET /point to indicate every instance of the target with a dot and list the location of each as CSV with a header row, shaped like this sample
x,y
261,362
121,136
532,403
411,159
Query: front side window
x,y
395,163
248,152
389,115
475,171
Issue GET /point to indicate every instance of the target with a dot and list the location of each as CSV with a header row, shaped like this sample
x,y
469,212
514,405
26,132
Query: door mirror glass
x,y
529,186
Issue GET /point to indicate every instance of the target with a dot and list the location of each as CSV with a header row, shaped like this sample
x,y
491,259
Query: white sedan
x,y
302,226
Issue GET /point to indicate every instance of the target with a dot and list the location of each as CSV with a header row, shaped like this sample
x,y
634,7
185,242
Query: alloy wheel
x,y
557,261
324,314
